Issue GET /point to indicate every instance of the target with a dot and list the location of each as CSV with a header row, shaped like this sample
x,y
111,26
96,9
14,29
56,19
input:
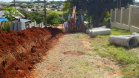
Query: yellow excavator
x,y
76,24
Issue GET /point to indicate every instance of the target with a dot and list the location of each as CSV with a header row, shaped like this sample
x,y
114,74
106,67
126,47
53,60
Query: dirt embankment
x,y
20,50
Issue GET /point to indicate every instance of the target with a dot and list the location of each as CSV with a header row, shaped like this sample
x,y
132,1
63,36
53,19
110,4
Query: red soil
x,y
20,50
78,53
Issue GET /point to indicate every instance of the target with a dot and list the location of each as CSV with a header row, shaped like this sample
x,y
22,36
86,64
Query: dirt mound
x,y
74,53
20,50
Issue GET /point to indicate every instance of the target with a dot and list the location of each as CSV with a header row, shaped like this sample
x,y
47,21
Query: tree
x,y
96,9
10,13
23,6
35,16
68,6
53,18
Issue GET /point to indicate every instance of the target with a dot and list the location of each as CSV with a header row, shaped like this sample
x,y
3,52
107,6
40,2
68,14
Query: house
x,y
17,7
24,4
27,9
1,6
38,5
48,9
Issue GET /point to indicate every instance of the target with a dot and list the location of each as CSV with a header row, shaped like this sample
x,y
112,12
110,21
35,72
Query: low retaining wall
x,y
134,29
124,26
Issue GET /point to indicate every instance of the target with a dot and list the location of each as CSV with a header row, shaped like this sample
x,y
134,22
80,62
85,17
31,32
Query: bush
x,y
6,26
53,18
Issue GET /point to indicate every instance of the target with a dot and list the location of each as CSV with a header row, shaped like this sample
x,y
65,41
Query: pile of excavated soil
x,y
20,50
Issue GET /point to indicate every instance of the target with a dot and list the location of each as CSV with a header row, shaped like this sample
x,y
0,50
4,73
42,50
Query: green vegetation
x,y
127,58
10,13
88,53
80,36
35,16
58,12
6,26
53,18
96,15
23,6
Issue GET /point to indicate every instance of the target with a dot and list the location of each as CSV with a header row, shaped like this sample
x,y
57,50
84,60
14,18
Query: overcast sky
x,y
28,0
34,0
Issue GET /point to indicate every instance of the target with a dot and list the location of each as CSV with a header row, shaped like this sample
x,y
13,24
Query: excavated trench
x,y
20,50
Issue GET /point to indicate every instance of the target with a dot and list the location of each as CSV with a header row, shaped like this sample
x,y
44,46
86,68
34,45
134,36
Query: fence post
x,y
12,26
35,24
23,26
42,24
129,19
16,26
121,18
29,25
115,14
19,26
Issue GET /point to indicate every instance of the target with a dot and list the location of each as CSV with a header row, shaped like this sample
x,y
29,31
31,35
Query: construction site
x,y
86,44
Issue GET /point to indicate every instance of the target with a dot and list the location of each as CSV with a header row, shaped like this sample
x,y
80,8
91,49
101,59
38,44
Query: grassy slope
x,y
127,58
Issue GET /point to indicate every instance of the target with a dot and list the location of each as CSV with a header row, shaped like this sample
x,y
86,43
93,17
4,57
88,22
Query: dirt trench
x,y
74,58
20,50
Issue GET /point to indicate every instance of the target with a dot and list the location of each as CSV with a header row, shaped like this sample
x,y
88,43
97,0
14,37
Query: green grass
x,y
128,58
80,36
58,12
87,53
103,54
109,68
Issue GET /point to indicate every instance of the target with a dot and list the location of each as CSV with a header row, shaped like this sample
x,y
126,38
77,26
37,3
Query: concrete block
x,y
12,26
16,26
134,29
22,26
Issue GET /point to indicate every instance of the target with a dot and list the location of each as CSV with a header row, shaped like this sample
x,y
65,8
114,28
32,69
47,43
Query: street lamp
x,y
45,13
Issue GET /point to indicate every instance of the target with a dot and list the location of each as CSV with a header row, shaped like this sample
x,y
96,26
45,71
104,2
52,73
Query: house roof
x,y
25,20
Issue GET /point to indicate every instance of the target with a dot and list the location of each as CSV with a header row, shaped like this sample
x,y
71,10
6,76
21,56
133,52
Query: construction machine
x,y
76,24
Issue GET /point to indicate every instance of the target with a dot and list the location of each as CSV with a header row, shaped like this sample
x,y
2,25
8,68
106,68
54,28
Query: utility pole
x,y
45,13
14,3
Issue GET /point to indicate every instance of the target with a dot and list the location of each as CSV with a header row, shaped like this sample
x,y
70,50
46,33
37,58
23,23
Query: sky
x,y
34,0
28,0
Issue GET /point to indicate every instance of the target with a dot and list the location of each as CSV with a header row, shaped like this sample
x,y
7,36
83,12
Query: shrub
x,y
53,18
6,26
